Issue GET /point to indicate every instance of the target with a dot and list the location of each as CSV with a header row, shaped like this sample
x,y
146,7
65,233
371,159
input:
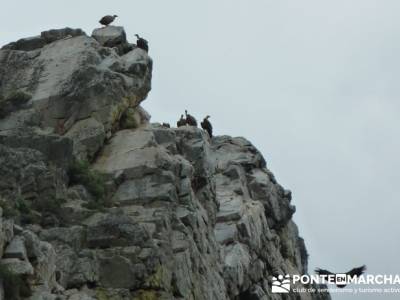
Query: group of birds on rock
x,y
183,121
191,121
141,42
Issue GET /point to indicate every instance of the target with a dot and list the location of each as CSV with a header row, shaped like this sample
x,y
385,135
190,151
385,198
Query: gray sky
x,y
313,84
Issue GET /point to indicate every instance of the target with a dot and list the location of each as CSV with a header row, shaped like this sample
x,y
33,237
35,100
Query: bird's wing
x,y
357,271
323,272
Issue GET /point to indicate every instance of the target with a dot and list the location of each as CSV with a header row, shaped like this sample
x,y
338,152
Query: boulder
x,y
110,36
16,249
53,35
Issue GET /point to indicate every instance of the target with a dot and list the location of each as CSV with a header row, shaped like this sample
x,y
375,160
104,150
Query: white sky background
x,y
313,84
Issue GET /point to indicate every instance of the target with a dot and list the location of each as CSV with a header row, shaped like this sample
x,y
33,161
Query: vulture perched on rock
x,y
206,125
142,43
181,122
353,272
190,120
107,20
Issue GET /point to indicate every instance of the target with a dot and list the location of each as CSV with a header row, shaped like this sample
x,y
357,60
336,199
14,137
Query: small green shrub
x,y
18,97
22,205
12,101
49,205
128,119
14,208
9,211
14,285
80,173
26,213
98,204
20,210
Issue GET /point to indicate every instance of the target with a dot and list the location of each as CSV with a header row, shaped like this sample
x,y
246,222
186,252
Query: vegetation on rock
x,y
80,173
12,101
9,211
128,119
18,97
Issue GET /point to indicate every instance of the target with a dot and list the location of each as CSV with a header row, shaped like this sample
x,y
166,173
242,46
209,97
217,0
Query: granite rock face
x,y
157,213
72,81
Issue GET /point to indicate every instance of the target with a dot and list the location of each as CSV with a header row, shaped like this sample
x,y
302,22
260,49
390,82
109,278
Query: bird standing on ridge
x,y
190,120
355,272
107,20
206,125
142,43
181,122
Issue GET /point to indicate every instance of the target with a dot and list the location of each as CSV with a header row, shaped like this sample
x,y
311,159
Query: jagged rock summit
x,y
73,84
98,203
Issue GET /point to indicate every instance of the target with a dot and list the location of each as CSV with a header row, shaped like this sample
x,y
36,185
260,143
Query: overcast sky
x,y
313,84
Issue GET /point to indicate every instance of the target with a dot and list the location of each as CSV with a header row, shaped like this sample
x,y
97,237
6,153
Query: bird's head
x,y
137,36
115,16
207,117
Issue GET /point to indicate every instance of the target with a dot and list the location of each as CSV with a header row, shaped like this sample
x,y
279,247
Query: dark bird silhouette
x,y
166,125
181,122
107,20
353,272
142,43
190,120
206,125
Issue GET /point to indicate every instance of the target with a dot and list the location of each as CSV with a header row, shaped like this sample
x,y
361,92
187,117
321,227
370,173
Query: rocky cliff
x,y
98,203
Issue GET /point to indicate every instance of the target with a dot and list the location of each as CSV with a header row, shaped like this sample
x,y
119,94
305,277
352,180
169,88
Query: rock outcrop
x,y
98,203
75,85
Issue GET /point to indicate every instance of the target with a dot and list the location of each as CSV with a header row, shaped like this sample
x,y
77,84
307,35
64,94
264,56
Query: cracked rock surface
x,y
157,213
